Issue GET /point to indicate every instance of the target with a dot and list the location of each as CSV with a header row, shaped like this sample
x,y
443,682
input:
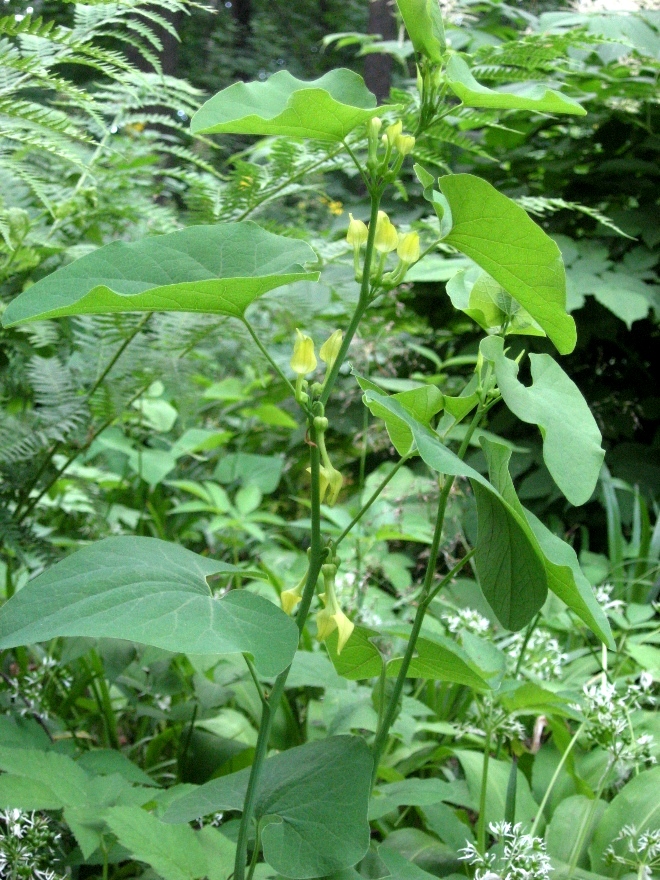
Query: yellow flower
x,y
404,143
357,232
386,238
408,249
303,360
331,347
393,131
289,599
332,618
336,208
330,478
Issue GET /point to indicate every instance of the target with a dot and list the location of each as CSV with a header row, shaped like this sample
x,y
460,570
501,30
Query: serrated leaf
x,y
218,269
36,780
325,109
315,797
571,438
519,96
153,592
500,237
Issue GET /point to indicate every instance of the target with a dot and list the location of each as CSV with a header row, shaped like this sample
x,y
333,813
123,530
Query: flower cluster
x,y
605,600
30,693
609,726
517,857
543,656
28,847
642,853
468,619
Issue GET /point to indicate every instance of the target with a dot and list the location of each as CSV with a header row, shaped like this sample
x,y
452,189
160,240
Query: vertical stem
x,y
390,713
481,822
555,777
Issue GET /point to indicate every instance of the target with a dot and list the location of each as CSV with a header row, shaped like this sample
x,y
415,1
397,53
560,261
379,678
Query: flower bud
x,y
393,131
303,360
357,233
386,238
408,249
332,345
404,143
374,126
320,423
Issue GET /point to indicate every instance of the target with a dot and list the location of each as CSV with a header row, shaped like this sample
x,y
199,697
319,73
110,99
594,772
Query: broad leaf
x,y
565,577
173,851
217,269
508,559
438,658
519,96
571,439
149,591
500,237
637,803
315,797
498,780
359,658
474,292
409,792
577,811
36,780
423,21
325,109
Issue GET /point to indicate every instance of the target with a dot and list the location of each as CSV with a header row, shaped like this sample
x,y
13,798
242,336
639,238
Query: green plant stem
x,y
262,348
555,777
528,634
255,854
372,498
363,300
426,594
481,821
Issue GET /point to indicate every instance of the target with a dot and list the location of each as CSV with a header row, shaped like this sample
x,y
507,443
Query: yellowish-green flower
x,y
408,249
393,131
374,126
331,617
386,238
331,347
290,598
303,360
331,482
404,143
357,232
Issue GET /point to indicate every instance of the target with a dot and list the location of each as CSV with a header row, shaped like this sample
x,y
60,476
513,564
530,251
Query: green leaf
x,y
500,237
438,658
325,109
577,811
218,269
423,21
474,292
315,797
36,780
519,96
571,439
173,851
637,803
508,559
148,591
498,782
359,658
409,792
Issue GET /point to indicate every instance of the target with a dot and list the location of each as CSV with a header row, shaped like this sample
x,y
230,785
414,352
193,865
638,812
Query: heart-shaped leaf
x,y
571,438
148,591
315,798
508,558
325,109
519,96
500,237
217,269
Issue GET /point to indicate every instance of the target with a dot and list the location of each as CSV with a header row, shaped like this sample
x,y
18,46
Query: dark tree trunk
x,y
242,12
378,68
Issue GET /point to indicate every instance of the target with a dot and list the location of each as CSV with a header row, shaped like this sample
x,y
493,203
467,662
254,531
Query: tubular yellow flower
x,y
331,617
408,249
386,238
357,232
393,131
289,599
331,346
303,360
404,143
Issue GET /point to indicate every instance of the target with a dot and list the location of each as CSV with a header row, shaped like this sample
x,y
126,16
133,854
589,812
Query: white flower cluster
x,y
501,723
28,847
543,656
30,692
605,600
609,725
469,619
642,853
518,857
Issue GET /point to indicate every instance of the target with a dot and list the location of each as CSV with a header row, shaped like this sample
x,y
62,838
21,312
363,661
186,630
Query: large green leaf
x,y
37,780
508,558
638,804
519,96
149,591
423,21
571,439
315,798
219,269
474,292
498,781
501,238
438,658
359,658
172,850
325,109
565,577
